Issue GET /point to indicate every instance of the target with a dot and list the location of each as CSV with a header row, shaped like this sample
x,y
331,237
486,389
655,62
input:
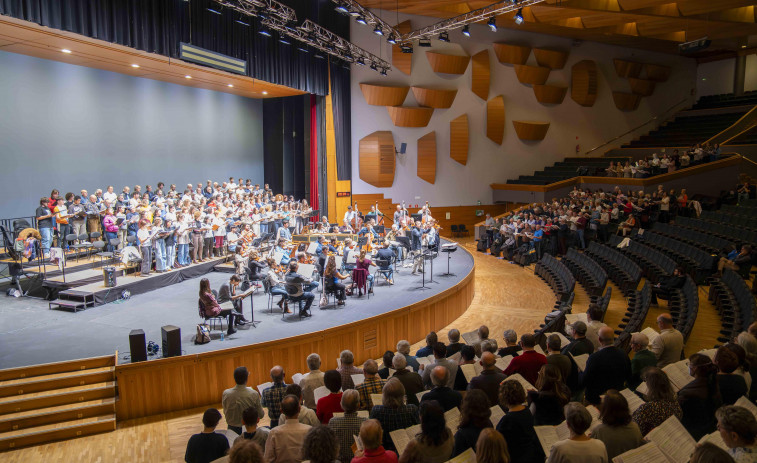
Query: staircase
x,y
565,169
57,401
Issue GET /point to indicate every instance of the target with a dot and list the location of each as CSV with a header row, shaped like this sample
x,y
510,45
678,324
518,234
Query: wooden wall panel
x,y
584,82
657,73
534,75
531,130
511,54
641,86
553,59
495,119
377,159
427,157
408,116
447,64
384,95
625,68
550,94
481,74
626,101
189,381
434,98
458,139
402,61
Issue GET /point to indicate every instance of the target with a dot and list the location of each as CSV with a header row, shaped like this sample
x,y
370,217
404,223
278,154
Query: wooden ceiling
x,y
657,25
32,39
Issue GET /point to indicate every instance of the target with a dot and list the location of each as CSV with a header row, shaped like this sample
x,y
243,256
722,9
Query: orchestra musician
x,y
295,288
276,284
391,240
230,292
416,241
281,247
332,281
283,233
364,263
387,254
349,218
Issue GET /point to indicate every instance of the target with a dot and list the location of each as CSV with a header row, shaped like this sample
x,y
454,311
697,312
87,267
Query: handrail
x,y
654,118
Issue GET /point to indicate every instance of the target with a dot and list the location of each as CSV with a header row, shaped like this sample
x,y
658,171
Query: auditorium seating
x,y
726,100
557,275
567,168
587,271
603,301
686,131
621,270
736,218
656,265
734,302
732,233
708,243
748,137
555,325
694,260
683,306
636,313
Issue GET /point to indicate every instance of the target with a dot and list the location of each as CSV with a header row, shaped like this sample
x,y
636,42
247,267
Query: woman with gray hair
x,y
749,344
394,414
738,428
579,448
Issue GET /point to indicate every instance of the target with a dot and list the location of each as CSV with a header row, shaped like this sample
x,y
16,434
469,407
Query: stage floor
x,y
31,334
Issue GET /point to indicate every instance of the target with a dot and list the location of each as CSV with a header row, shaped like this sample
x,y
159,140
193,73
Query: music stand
x,y
380,229
252,311
449,250
405,242
416,217
362,241
429,254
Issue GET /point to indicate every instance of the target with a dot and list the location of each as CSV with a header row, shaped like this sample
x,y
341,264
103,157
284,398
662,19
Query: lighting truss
x,y
356,9
283,19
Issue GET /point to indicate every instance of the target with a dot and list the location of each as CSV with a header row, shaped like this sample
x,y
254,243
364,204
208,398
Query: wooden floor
x,y
507,296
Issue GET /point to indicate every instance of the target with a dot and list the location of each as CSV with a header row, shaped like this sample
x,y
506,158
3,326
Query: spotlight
x,y
66,51
360,62
492,24
213,11
519,17
444,37
285,40
342,9
262,15
264,92
426,43
187,76
230,85
392,40
466,30
304,50
239,21
383,71
135,66
319,55
361,20
406,48
378,31
374,67
264,31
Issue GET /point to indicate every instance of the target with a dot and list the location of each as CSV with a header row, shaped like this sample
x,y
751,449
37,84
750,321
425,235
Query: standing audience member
x,y
393,414
207,445
483,335
731,385
311,380
372,384
547,404
667,347
710,453
738,428
403,347
245,451
285,442
618,432
661,401
579,448
428,349
474,418
749,344
607,368
372,435
489,379
259,435
331,403
642,358
594,324
700,398
347,426
386,365
491,447
561,361
511,344
320,445
347,369
411,381
579,345
467,357
435,441
440,352
306,416
529,362
447,397
238,399
454,345
273,395
517,426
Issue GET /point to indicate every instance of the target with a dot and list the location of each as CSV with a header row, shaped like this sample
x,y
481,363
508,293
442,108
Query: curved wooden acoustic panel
x,y
481,74
447,64
584,82
534,75
626,101
531,130
553,59
458,139
407,116
641,87
550,94
402,61
434,98
624,68
495,119
657,73
377,159
511,54
427,157
384,95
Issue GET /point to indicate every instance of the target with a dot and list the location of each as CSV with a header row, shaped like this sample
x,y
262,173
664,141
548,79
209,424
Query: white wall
x,y
716,77
750,80
489,162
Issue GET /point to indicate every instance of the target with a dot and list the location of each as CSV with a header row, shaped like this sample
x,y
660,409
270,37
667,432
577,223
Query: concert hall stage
x,y
32,334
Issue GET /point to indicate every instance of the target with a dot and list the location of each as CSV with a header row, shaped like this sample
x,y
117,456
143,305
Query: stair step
x,y
33,418
70,395
59,381
59,431
57,367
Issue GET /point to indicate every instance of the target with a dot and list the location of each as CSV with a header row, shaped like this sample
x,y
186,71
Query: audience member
x,y
347,426
618,432
245,451
731,385
607,368
307,415
491,447
594,323
710,453
372,435
483,335
403,347
667,347
467,357
579,345
547,404
517,426
393,414
447,397
273,395
384,372
579,448
239,398
529,362
511,344
454,345
347,369
642,358
661,401
372,384
474,417
320,445
207,445
435,441
665,288
440,360
331,403
743,366
489,379
749,344
738,428
253,432
561,361
285,442
700,398
411,381
312,380
428,349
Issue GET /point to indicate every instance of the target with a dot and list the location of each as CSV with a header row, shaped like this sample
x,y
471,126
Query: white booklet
x,y
575,317
497,415
648,453
503,362
673,439
452,417
360,414
377,399
320,392
471,370
358,379
296,378
634,402
714,438
580,361
402,437
263,387
469,456
746,403
526,385
549,435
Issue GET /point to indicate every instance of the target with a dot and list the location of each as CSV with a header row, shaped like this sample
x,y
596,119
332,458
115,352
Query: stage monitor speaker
x,y
137,346
171,341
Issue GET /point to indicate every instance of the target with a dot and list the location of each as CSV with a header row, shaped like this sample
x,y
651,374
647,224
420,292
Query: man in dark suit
x,y
489,379
664,288
448,398
580,345
607,368
454,345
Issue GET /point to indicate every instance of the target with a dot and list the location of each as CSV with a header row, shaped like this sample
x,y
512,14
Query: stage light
x,y
230,85
136,66
424,43
466,30
406,48
285,40
242,22
304,50
66,51
374,67
262,15
264,31
383,71
319,55
378,31
444,37
519,17
360,62
361,20
392,40
213,11
342,9
264,92
187,77
492,24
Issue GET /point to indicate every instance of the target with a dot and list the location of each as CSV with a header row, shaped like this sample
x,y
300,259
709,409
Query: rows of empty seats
x,y
683,305
735,304
724,100
742,219
587,271
636,313
729,232
686,130
568,168
622,271
603,301
557,276
656,265
707,242
694,260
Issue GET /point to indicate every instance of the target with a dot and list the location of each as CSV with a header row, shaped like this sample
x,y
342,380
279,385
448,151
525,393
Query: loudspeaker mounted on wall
x,y
403,148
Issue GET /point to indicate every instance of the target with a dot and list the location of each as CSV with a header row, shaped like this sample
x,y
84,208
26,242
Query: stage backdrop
x,y
71,127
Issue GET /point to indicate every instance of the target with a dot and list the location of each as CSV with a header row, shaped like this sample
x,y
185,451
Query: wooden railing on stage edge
x,y
732,159
177,383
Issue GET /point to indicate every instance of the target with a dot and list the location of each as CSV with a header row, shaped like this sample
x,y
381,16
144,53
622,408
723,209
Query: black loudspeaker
x,y
403,148
171,340
138,346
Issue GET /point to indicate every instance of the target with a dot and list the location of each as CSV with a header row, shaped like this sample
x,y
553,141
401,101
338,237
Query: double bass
x,y
357,220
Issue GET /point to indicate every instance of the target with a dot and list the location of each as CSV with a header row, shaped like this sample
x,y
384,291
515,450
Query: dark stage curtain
x,y
341,104
314,171
320,108
157,26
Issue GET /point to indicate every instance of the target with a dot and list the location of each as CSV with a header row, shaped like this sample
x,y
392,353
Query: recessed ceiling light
x,y
230,85
66,50
135,66
187,77
743,46
264,92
